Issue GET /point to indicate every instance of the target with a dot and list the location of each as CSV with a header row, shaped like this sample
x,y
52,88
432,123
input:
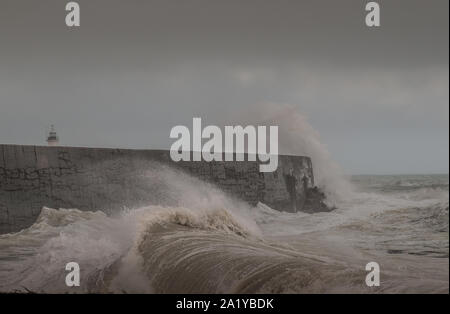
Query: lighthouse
x,y
52,138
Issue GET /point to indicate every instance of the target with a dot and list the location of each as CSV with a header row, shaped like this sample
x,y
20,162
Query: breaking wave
x,y
160,250
210,248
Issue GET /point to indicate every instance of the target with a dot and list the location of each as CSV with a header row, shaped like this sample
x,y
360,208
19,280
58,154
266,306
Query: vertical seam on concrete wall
x,y
3,155
35,157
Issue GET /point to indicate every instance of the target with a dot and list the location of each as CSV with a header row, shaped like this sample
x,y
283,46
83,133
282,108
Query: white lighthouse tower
x,y
52,138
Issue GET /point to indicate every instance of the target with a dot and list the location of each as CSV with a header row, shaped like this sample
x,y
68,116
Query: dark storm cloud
x,y
134,69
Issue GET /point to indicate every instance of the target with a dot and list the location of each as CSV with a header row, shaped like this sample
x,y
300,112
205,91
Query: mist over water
x,y
296,136
196,239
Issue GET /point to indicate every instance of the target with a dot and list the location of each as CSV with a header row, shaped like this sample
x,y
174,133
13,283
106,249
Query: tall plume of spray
x,y
297,137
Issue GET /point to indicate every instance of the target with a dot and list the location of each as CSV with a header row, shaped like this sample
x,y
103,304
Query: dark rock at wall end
x,y
315,201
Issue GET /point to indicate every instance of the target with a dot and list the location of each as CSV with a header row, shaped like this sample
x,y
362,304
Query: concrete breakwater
x,y
109,179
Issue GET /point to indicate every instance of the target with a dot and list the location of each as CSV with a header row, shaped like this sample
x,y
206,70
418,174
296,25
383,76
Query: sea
x,y
209,242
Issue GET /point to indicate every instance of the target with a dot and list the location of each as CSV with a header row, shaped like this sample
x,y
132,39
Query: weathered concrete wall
x,y
103,179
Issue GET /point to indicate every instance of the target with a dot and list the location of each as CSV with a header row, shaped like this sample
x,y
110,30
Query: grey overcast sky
x,y
134,69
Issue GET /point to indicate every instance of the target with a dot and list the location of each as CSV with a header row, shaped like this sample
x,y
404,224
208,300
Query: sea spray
x,y
297,137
